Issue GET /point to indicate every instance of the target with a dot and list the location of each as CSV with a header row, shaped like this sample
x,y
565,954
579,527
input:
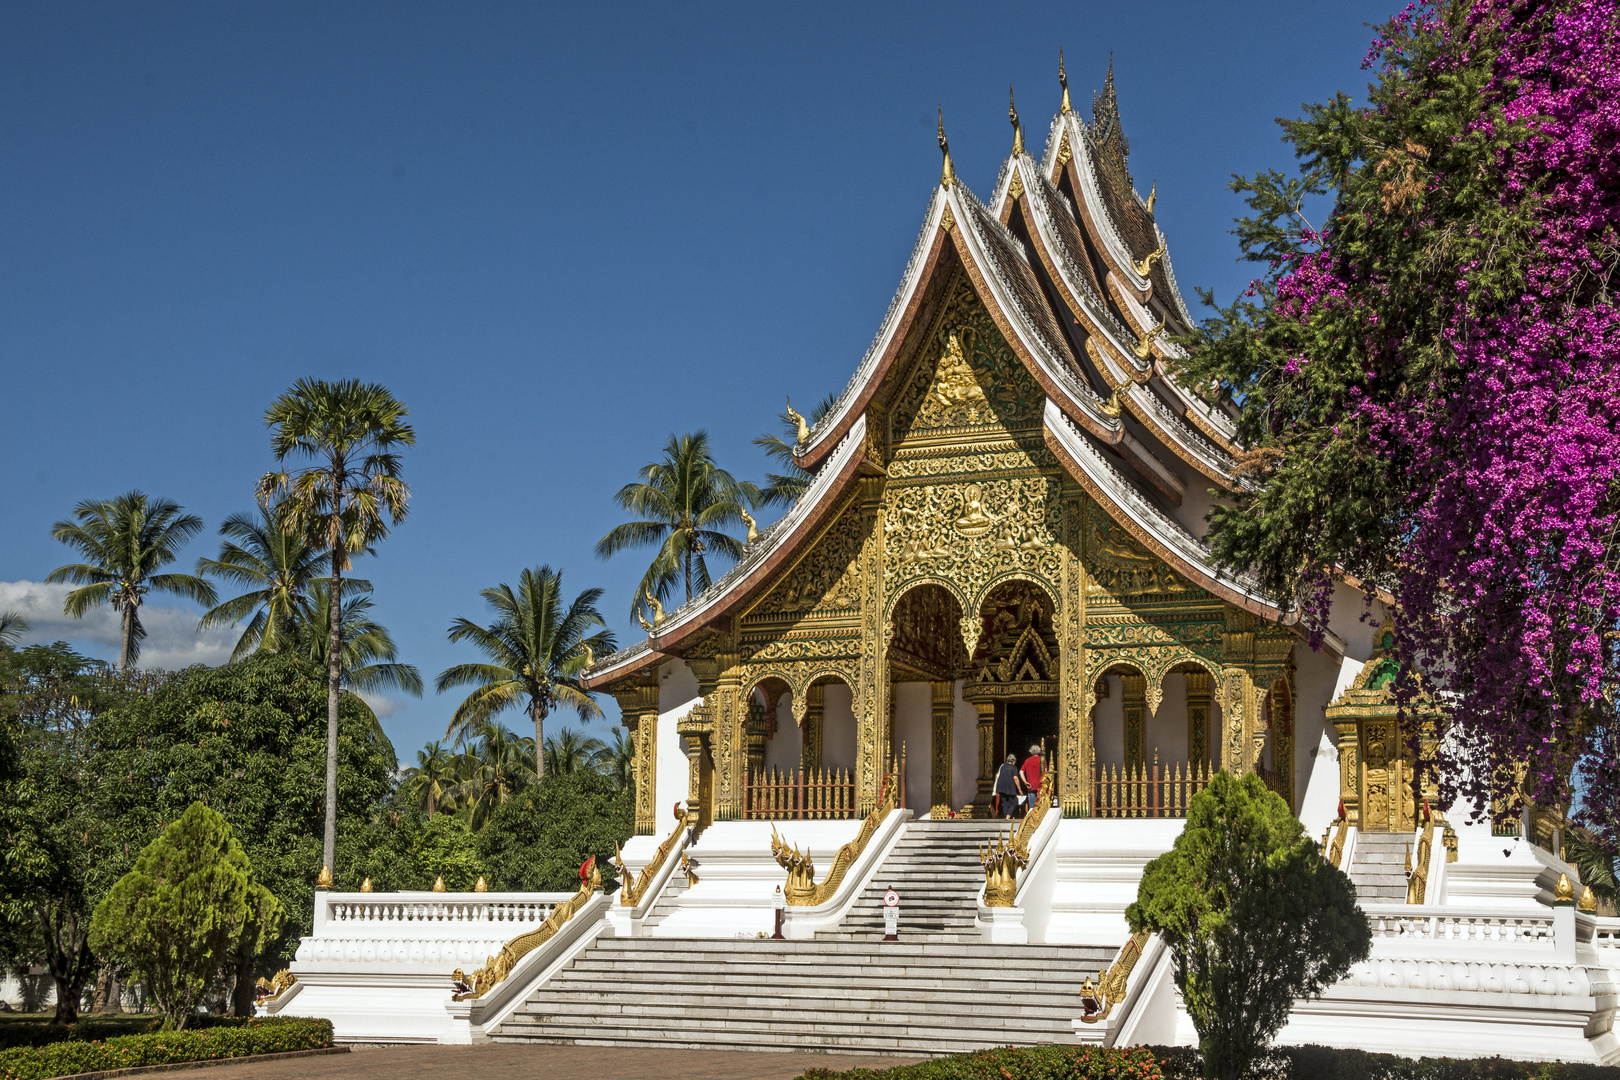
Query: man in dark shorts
x,y
1006,790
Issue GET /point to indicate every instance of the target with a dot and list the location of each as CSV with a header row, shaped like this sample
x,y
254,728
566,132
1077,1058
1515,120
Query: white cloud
x,y
384,707
172,640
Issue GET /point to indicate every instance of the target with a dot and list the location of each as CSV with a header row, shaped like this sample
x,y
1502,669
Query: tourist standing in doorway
x,y
1030,773
1007,787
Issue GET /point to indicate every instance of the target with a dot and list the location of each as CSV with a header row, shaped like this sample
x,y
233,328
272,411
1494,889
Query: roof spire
x,y
1063,80
947,176
1018,130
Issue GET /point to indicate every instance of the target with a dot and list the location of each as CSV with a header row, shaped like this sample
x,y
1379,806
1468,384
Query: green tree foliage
x,y
402,852
684,501
174,918
1255,915
247,739
537,652
351,432
432,778
59,849
125,542
784,489
537,841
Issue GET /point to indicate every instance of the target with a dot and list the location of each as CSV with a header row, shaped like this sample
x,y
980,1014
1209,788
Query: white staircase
x,y
929,998
935,868
1378,869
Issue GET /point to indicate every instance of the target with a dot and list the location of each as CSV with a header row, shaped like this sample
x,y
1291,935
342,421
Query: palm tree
x,y
277,564
569,751
496,766
12,627
684,500
368,663
537,652
618,759
344,501
432,777
125,541
784,489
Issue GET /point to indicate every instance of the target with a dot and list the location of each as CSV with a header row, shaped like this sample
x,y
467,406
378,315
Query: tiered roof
x,y
1068,261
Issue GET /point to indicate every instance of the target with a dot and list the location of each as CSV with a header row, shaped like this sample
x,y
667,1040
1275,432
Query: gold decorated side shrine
x,y
1000,547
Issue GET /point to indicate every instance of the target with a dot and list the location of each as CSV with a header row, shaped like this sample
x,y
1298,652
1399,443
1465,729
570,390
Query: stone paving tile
x,y
509,1061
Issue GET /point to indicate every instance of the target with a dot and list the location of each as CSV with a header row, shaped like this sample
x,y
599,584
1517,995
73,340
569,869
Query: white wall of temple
x,y
1316,753
964,751
838,727
914,727
1108,724
677,696
1167,728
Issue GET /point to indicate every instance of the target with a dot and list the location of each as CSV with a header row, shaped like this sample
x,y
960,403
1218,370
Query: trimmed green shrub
x,y
1254,915
1017,1063
270,1035
1330,1063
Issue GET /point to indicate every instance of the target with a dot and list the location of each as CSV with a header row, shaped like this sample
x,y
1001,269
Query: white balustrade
x,y
1441,925
445,930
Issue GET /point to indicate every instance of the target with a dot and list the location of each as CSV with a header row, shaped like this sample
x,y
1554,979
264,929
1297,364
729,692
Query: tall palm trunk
x,y
127,645
539,740
334,647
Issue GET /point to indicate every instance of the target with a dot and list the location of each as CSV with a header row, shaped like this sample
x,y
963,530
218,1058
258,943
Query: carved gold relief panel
x,y
966,378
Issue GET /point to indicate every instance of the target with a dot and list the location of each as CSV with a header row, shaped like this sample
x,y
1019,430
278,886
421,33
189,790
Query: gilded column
x,y
730,750
1282,735
943,713
815,707
1133,700
639,705
1075,735
872,695
1349,767
1198,694
1239,703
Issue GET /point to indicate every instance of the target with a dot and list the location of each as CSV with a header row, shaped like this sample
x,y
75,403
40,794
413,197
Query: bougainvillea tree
x,y
1429,379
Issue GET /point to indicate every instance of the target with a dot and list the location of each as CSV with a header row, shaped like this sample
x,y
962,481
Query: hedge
x,y
1328,1063
1014,1063
270,1035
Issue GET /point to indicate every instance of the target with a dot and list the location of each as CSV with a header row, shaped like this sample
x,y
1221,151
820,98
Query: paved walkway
x,y
508,1061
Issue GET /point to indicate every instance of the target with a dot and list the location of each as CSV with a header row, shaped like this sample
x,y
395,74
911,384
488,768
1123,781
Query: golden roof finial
x,y
1018,129
1153,196
948,175
1063,79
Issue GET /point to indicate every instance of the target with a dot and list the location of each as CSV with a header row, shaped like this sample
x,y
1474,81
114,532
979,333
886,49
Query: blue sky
x,y
558,233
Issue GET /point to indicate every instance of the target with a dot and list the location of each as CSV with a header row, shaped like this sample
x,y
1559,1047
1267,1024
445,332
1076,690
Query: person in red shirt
x,y
1031,774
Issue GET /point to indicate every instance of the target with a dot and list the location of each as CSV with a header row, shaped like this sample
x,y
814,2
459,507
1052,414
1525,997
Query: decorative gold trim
x,y
1588,901
1001,864
324,881
438,884
496,968
947,220
268,990
1153,197
1110,987
1144,344
1145,264
801,889
633,892
1018,129
365,886
947,175
1417,888
1063,81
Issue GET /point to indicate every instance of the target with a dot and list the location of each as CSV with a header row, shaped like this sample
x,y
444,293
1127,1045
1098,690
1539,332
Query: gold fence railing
x,y
782,795
1146,791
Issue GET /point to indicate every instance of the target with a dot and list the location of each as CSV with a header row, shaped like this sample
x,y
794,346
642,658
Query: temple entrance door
x,y
1032,723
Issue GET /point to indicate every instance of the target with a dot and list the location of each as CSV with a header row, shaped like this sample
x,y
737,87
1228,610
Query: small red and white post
x,y
778,902
891,916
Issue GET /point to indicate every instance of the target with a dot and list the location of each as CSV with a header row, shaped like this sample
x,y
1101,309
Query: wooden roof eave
x,y
682,626
1113,360
1157,531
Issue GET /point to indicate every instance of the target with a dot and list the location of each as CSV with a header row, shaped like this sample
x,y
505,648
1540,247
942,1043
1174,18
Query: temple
x,y
999,554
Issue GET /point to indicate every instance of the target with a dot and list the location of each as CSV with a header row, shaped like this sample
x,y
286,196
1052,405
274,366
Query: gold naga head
x,y
1145,264
947,175
794,418
1063,81
1018,129
1144,345
1153,197
657,608
748,521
